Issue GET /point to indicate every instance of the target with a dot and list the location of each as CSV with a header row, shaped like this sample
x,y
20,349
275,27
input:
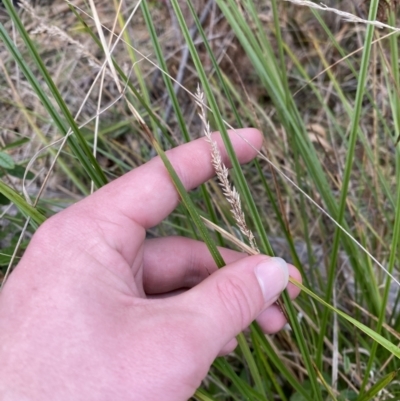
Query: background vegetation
x,y
325,91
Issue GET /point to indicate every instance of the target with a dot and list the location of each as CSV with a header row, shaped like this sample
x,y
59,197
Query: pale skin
x,y
94,311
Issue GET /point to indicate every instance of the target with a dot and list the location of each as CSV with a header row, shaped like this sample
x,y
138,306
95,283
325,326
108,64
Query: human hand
x,y
86,314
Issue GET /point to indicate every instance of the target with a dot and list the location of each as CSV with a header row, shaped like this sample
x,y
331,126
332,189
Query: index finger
x,y
147,194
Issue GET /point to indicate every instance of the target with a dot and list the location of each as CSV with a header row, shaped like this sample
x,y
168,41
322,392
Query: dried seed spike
x,y
230,192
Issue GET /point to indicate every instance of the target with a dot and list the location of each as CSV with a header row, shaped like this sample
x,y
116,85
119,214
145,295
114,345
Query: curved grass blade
x,y
392,348
201,395
21,203
377,387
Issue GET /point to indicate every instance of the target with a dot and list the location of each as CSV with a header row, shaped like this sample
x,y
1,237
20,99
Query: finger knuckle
x,y
236,301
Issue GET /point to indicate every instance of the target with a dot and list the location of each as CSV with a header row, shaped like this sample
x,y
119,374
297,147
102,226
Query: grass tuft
x,y
90,90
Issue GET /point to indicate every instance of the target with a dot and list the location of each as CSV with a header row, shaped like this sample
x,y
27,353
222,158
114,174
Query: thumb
x,y
231,298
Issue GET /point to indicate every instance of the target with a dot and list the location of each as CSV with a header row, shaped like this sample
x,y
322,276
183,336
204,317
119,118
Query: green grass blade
x,y
242,386
190,207
164,70
201,395
378,387
354,129
276,89
240,179
79,147
392,348
244,347
125,79
21,203
277,362
396,230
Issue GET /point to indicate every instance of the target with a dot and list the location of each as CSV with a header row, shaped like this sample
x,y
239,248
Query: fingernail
x,y
273,277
